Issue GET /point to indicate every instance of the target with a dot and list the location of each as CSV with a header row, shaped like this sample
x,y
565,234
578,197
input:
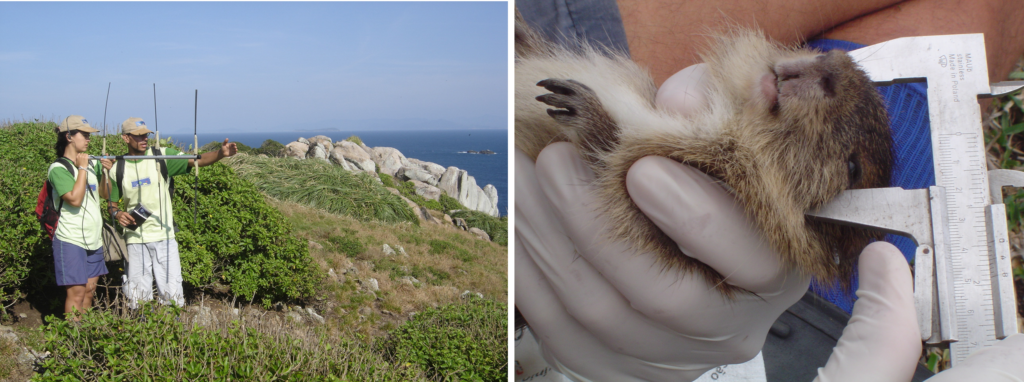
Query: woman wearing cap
x,y
77,241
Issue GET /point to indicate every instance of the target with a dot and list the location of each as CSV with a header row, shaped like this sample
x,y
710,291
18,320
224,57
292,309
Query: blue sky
x,y
258,66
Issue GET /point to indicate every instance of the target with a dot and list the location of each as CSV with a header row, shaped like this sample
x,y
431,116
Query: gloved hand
x,y
603,312
882,341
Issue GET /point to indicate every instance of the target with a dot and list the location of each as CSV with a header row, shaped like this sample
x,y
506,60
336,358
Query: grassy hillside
x,y
277,289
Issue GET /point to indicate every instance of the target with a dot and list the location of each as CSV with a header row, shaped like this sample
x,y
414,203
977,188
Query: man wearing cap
x,y
152,249
77,244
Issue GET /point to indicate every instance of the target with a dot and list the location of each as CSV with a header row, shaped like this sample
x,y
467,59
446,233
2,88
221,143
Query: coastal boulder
x,y
388,158
480,234
338,158
295,150
321,139
415,173
434,169
459,185
473,197
355,156
449,181
492,195
318,151
426,191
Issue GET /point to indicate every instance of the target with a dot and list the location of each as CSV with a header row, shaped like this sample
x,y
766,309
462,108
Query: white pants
x,y
148,261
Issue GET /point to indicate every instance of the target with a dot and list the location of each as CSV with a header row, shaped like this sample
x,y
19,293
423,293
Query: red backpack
x,y
45,213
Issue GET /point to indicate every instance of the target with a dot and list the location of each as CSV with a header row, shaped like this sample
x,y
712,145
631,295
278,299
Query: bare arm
x,y
77,193
226,150
665,35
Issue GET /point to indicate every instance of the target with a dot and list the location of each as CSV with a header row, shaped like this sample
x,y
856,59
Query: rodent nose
x,y
806,77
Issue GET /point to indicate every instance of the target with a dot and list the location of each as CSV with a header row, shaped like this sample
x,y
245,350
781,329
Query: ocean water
x,y
444,147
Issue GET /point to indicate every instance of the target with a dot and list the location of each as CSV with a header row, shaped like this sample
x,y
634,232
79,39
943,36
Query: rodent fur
x,y
824,132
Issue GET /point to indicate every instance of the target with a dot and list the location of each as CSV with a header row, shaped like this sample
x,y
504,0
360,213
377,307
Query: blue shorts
x,y
74,265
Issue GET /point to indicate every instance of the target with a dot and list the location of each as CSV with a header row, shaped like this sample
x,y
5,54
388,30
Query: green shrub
x,y
496,228
464,341
215,145
103,346
270,147
240,240
325,186
237,238
348,244
355,139
26,261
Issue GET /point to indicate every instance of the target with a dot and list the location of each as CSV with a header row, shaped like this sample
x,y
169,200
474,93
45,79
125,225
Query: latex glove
x,y
881,342
603,312
1002,362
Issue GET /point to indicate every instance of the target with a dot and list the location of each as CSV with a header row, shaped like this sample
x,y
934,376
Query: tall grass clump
x,y
324,186
355,139
464,341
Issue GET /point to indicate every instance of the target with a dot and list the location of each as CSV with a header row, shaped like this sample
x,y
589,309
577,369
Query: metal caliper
x,y
963,284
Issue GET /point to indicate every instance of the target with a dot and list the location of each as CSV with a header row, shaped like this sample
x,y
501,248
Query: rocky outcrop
x,y
389,159
327,141
354,154
426,191
296,150
318,151
461,186
430,179
407,173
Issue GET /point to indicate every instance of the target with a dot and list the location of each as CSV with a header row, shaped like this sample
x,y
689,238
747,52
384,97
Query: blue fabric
x,y
570,21
907,105
74,265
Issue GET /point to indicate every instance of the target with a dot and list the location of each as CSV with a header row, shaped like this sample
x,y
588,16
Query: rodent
x,y
786,129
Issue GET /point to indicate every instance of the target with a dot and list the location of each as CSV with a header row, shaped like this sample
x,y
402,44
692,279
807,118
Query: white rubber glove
x,y
1002,362
881,342
603,312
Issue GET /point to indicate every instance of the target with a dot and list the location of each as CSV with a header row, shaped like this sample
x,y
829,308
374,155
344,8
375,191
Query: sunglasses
x,y
139,137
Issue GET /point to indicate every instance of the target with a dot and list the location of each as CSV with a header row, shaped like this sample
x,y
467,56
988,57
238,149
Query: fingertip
x,y
882,260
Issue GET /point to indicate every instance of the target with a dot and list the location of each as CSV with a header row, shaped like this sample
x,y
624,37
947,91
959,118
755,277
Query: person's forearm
x,y
104,186
999,20
668,35
209,158
77,193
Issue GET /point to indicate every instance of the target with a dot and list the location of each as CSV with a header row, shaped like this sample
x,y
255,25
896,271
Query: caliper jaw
x,y
920,215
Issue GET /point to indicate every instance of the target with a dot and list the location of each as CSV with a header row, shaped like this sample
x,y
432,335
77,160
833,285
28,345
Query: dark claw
x,y
559,101
557,86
